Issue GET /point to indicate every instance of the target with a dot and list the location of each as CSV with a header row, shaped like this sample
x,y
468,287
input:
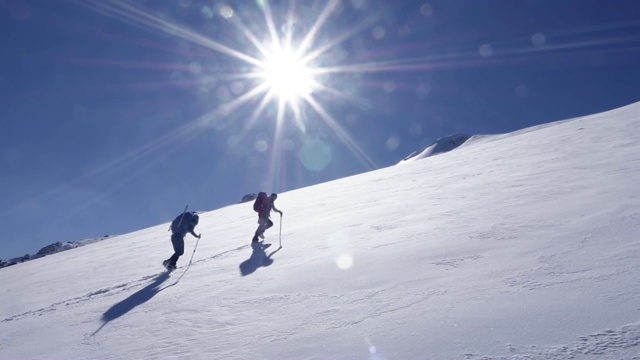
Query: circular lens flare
x,y
344,261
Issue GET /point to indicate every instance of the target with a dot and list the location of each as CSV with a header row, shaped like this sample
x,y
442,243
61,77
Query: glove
x,y
199,236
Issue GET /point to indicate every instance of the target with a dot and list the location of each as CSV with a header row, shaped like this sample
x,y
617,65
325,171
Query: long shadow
x,y
257,259
138,298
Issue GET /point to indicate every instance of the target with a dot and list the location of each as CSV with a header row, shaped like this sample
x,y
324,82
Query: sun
x,y
285,66
287,76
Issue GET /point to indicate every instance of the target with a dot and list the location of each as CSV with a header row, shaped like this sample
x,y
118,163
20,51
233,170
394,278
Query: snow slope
x,y
521,246
439,146
52,249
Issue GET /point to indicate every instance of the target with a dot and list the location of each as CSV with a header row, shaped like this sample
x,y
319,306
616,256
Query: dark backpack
x,y
182,222
260,200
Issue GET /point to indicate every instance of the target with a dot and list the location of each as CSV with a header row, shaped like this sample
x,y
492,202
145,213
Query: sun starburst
x,y
280,77
287,76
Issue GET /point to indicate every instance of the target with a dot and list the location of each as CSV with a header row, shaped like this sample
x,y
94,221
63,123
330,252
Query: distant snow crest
x,y
439,146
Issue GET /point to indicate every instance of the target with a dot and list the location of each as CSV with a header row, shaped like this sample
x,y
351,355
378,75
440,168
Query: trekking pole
x,y
194,251
280,235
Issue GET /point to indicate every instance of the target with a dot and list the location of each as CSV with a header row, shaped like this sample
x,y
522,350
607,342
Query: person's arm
x,y
191,228
273,206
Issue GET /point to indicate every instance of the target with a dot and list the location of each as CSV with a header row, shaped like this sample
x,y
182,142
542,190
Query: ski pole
x,y
194,251
280,235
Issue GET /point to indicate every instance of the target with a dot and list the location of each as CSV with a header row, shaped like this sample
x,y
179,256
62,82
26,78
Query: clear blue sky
x,y
115,115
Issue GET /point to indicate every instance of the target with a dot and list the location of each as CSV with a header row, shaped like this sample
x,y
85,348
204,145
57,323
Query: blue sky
x,y
115,115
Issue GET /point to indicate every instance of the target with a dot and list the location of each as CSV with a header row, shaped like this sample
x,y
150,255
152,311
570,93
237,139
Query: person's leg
x,y
256,235
259,230
178,248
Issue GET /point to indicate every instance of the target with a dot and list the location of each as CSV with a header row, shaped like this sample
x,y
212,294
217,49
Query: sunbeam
x,y
287,68
138,17
280,71
308,40
282,76
342,134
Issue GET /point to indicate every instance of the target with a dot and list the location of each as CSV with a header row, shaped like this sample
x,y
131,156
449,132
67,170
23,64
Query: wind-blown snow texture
x,y
516,246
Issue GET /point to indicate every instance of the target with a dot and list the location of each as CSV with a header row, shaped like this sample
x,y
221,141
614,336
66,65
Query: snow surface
x,y
518,246
51,249
439,146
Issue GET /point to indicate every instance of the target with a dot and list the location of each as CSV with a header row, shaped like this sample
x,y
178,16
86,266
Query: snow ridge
x,y
52,249
439,146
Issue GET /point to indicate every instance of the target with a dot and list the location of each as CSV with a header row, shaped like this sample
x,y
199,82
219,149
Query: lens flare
x,y
315,155
345,261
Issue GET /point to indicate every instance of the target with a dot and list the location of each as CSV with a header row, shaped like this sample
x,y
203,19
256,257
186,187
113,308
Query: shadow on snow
x,y
257,259
138,298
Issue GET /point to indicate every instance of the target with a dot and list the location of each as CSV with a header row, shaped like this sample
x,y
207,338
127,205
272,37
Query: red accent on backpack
x,y
260,200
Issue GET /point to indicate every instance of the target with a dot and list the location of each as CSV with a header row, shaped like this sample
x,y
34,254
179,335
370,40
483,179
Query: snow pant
x,y
178,247
264,224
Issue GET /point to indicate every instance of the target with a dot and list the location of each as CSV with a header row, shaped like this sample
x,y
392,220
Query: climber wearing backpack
x,y
263,206
180,226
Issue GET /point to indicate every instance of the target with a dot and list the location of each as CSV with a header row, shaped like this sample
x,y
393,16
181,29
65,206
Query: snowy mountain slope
x,y
524,247
52,249
439,146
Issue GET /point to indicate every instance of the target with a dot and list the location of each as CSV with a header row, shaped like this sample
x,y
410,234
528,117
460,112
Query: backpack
x,y
260,200
182,221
